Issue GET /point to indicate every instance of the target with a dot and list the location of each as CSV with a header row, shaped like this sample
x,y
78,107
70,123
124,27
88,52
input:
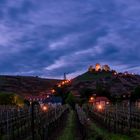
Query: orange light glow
x,y
53,91
107,103
115,73
91,98
63,83
59,85
44,108
100,107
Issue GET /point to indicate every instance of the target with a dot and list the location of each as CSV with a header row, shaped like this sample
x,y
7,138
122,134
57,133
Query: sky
x,y
49,37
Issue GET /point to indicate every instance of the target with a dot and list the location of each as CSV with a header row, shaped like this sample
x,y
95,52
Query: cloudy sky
x,y
50,37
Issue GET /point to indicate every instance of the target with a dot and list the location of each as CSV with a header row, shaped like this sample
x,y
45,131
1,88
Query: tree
x,y
11,99
62,92
86,92
26,102
71,100
6,98
136,94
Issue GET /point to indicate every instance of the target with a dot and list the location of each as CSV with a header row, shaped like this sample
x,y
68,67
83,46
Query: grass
x,y
69,131
97,133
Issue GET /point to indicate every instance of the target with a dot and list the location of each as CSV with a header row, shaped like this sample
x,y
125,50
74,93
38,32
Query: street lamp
x,y
99,107
44,108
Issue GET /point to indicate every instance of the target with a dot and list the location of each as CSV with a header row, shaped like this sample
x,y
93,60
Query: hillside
x,y
88,76
26,85
115,83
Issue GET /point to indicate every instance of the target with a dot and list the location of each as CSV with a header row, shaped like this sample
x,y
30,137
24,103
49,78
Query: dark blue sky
x,y
50,37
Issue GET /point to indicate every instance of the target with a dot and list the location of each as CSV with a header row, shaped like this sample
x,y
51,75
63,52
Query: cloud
x,y
57,64
74,74
48,38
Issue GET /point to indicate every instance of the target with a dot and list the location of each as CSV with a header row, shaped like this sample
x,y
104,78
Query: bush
x,y
11,99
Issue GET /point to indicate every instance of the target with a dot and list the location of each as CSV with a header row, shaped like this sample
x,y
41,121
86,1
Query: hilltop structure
x,y
99,67
106,68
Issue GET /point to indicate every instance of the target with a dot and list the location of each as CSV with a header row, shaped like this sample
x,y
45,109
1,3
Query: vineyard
x,y
40,123
117,118
26,124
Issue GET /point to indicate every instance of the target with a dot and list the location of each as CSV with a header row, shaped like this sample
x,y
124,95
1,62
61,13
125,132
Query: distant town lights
x,y
66,82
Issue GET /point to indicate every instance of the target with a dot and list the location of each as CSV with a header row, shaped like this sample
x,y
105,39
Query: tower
x,y
65,77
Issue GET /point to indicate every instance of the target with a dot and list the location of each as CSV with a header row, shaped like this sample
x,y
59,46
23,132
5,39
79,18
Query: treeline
x,y
11,99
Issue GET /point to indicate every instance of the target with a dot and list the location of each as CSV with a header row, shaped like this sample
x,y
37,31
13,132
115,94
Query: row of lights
x,y
115,73
66,82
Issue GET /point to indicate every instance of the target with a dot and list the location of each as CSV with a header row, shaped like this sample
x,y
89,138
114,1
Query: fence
x,y
117,118
18,124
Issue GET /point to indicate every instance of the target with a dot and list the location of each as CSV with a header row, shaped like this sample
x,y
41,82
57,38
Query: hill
x,y
115,83
26,85
90,76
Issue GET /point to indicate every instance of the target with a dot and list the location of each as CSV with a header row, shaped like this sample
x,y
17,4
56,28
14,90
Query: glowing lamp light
x,y
100,107
44,108
59,85
107,103
63,83
124,96
115,73
53,91
91,98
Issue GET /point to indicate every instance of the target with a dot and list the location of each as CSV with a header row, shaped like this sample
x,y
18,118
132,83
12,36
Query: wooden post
x,y
32,121
116,118
129,116
8,124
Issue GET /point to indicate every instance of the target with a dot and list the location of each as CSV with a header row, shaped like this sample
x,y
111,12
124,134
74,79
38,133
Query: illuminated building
x,y
97,67
90,69
106,68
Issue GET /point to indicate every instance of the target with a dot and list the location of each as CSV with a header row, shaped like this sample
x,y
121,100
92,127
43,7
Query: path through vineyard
x,y
71,129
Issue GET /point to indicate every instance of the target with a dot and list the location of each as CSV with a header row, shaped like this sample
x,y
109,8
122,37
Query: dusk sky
x,y
50,37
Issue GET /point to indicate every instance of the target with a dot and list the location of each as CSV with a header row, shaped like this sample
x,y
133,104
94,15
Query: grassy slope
x,y
25,85
92,76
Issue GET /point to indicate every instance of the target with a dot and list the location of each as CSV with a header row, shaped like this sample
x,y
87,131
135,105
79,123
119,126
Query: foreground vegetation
x,y
97,133
11,99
